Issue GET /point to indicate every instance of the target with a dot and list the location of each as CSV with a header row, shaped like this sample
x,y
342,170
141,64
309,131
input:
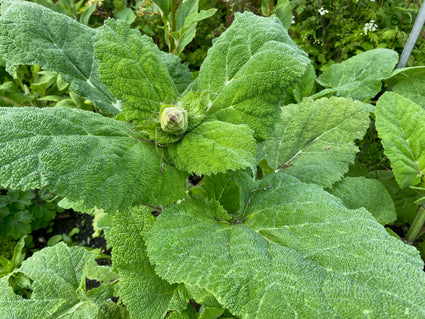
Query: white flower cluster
x,y
323,11
293,20
370,26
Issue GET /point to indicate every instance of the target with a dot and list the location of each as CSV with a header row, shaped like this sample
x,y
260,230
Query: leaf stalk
x,y
416,225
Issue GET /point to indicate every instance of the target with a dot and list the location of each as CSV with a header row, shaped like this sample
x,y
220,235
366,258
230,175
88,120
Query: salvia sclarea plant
x,y
279,226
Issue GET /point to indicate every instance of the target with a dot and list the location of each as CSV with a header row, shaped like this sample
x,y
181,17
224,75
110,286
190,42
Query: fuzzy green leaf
x,y
202,296
299,253
404,199
231,189
357,192
110,310
211,313
195,102
131,67
400,125
188,313
214,147
144,293
179,72
57,278
408,82
359,77
302,89
247,71
314,141
33,34
84,157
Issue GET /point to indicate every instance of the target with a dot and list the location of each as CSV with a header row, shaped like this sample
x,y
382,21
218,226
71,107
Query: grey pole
x,y
413,37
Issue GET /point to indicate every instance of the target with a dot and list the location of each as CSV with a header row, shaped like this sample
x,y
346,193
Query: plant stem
x,y
173,23
270,5
416,225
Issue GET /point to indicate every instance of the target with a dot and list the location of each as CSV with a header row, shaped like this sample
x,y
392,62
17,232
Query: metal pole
x,y
413,37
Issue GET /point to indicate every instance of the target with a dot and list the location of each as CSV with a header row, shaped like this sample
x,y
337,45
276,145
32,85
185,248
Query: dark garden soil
x,y
64,223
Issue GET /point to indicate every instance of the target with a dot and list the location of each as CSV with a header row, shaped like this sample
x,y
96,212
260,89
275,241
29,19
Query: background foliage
x,y
344,28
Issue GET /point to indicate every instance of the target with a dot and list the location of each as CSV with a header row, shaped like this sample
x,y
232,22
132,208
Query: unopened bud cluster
x,y
173,119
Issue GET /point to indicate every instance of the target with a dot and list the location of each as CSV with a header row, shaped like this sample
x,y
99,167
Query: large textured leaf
x,y
111,310
58,275
231,189
214,147
299,253
202,296
132,68
302,89
188,313
400,125
314,140
144,293
357,192
33,34
404,199
409,83
359,77
84,157
179,72
248,69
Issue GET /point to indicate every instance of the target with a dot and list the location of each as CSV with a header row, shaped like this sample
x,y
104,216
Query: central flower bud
x,y
173,119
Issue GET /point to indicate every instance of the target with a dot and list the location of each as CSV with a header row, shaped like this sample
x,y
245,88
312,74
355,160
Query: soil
x,y
64,223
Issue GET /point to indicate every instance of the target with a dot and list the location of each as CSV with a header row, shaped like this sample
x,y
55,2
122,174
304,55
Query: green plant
x,y
332,31
282,9
272,229
8,264
80,10
33,86
399,124
180,20
22,212
67,238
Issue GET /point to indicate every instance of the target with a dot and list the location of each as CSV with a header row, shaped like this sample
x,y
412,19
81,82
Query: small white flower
x,y
323,11
293,20
370,26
